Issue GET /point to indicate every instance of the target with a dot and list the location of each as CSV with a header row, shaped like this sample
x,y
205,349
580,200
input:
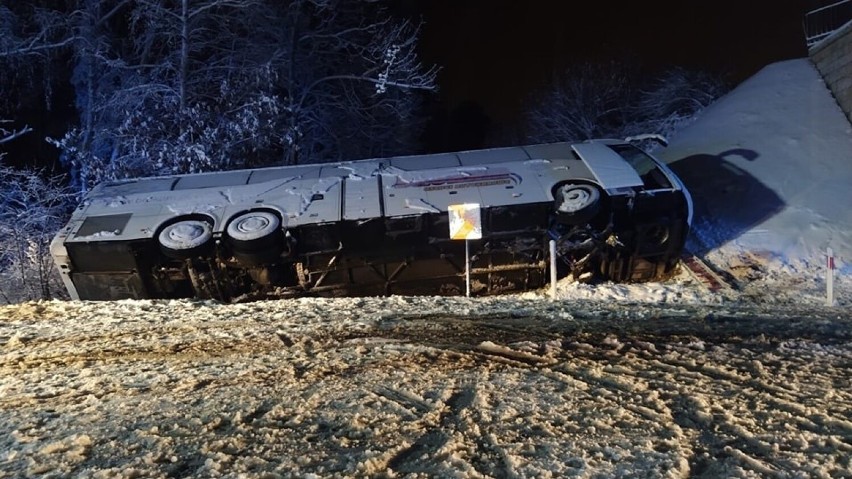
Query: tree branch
x,y
7,136
423,85
30,49
112,12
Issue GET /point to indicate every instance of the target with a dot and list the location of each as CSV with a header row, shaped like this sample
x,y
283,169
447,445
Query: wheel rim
x,y
575,198
185,235
253,225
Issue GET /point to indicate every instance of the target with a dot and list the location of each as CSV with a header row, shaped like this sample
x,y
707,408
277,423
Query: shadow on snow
x,y
728,200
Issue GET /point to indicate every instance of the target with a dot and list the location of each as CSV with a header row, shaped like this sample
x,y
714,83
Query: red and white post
x,y
829,279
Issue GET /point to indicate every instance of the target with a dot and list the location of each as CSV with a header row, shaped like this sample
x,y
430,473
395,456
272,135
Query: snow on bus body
x,y
378,226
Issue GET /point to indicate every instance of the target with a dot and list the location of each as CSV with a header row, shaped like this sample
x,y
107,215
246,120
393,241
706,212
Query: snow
x,y
610,380
421,204
423,387
99,234
780,144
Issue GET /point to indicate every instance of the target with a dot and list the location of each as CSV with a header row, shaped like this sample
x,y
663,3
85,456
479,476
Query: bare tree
x,y
586,101
610,101
28,38
32,209
32,30
674,99
350,78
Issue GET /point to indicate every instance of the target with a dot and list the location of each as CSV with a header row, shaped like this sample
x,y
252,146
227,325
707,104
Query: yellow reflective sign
x,y
465,221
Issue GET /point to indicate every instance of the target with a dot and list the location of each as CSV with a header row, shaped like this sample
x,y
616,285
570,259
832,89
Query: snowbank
x,y
770,169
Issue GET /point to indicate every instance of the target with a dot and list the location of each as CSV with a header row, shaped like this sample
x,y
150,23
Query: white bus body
x,y
379,226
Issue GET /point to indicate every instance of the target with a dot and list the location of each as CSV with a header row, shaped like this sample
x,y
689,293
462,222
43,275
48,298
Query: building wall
x,y
833,59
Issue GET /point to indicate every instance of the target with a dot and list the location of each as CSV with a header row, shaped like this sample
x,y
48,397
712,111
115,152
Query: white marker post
x,y
553,269
466,268
465,224
829,279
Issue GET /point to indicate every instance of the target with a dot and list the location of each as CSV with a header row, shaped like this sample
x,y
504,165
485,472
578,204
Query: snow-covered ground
x,y
770,167
424,387
650,380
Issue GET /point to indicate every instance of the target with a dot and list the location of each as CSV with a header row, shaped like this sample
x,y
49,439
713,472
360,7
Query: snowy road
x,y
424,387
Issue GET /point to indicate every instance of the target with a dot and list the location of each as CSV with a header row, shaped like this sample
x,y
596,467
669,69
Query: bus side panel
x,y
107,270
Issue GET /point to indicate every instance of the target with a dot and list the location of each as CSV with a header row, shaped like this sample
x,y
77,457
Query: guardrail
x,y
827,19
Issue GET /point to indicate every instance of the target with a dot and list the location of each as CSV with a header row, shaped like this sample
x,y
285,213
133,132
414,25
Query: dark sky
x,y
494,52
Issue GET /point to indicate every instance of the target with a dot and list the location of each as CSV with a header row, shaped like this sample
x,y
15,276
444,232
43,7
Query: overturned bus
x,y
379,226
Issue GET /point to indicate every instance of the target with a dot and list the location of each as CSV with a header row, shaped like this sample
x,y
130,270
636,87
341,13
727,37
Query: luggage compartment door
x,y
362,198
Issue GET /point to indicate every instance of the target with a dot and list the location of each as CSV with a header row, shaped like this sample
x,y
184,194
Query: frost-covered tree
x,y
176,86
349,78
586,101
674,99
614,101
32,209
89,149
45,39
173,87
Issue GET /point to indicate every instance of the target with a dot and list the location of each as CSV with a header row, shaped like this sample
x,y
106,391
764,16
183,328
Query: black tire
x,y
256,238
576,203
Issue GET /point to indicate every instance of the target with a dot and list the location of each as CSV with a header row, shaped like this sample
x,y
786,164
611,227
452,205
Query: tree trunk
x,y
184,53
290,154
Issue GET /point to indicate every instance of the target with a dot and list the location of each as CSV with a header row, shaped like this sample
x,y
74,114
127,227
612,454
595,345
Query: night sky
x,y
494,53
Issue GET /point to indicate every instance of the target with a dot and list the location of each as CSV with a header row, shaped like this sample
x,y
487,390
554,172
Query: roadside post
x,y
829,279
465,224
553,269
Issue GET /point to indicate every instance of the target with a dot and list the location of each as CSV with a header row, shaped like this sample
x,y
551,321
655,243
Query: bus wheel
x,y
576,204
186,239
256,237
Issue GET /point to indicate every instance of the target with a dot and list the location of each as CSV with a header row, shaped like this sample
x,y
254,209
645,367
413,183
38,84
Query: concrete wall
x,y
833,59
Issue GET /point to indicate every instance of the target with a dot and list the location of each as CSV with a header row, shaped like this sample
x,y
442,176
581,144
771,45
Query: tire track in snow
x,y
753,389
497,395
716,436
434,448
729,439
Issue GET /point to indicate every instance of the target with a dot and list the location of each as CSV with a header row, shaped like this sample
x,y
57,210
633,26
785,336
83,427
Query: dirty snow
x,y
611,380
424,387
